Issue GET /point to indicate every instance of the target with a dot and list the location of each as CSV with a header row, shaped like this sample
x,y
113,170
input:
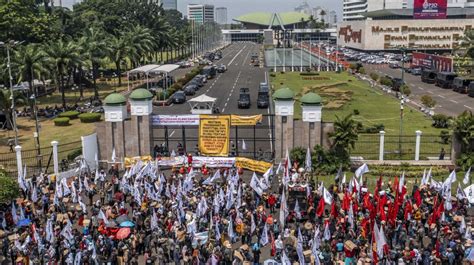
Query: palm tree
x,y
62,56
6,104
119,48
467,44
344,136
94,48
141,42
29,62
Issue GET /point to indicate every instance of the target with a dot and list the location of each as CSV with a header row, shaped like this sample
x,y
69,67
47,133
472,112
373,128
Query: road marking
x,y
231,61
421,88
431,92
467,107
441,96
454,101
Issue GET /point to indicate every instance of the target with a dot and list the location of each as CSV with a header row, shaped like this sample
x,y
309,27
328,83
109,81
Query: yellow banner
x,y
245,120
253,165
214,134
130,161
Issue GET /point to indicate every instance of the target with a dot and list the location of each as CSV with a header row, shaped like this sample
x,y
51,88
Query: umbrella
x,y
23,222
111,224
122,233
127,224
122,218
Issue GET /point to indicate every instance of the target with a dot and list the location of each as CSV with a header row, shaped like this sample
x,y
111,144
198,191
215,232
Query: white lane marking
x,y
441,96
467,107
171,134
421,88
231,61
431,92
454,101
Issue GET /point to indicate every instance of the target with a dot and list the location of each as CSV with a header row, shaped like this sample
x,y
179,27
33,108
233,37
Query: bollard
x,y
19,162
417,147
381,146
55,157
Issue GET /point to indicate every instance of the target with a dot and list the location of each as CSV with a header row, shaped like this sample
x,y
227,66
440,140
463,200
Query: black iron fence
x,y
245,141
398,147
41,161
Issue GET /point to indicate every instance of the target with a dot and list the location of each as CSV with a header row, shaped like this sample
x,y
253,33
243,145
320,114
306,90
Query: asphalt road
x,y
225,87
448,102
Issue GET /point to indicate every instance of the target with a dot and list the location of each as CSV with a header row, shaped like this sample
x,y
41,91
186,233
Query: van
x,y
209,72
470,91
445,79
428,76
263,98
461,84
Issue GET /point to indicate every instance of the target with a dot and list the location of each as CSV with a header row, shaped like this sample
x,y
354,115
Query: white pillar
x,y
381,146
55,157
417,147
19,162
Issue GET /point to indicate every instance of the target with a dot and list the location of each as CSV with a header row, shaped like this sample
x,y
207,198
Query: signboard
x,y
253,165
430,9
199,161
214,134
434,62
169,120
237,120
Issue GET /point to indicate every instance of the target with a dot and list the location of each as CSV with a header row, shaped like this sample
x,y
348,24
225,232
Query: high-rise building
x,y
332,19
169,4
221,15
353,9
303,8
201,13
320,14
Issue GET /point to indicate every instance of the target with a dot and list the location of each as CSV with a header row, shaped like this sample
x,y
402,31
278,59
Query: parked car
x,y
221,68
428,76
461,84
263,99
397,83
393,65
416,71
445,79
209,72
470,91
190,90
203,78
244,99
179,97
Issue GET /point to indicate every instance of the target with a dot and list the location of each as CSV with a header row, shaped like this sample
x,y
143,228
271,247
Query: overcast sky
x,y
236,8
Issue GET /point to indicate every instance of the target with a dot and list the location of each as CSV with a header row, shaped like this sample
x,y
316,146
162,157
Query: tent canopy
x,y
202,99
155,68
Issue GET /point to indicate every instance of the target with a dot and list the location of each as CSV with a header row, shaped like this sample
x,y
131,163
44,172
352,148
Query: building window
x,y
311,125
283,119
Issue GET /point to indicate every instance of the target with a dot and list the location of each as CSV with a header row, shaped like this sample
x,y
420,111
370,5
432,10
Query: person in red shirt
x,y
271,202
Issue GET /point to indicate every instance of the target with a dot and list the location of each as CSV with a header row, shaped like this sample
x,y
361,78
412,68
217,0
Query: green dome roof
x,y
141,94
283,94
311,99
115,99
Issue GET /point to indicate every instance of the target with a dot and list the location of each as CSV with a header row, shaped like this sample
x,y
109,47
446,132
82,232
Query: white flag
x,y
297,210
218,232
285,260
283,209
308,162
278,168
14,215
467,176
351,216
299,251
462,226
34,195
424,176
469,191
113,155
451,179
252,224
327,196
255,184
103,217
154,222
460,193
316,241
83,206
244,146
327,232
264,237
401,183
230,229
362,170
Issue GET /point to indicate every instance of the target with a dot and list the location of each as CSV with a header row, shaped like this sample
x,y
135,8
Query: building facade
x,y
221,15
201,13
169,4
332,19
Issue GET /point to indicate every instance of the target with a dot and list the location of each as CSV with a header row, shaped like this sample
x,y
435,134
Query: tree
x,y
29,64
95,49
6,104
62,56
467,44
428,101
9,189
298,154
344,136
405,90
463,128
119,48
140,41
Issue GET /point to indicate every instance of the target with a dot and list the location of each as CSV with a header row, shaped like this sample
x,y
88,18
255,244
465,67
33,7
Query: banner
x,y
433,62
237,120
199,161
130,161
169,120
214,134
253,165
430,9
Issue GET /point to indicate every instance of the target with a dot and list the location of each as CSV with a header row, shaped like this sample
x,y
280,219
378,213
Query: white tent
x,y
202,104
153,69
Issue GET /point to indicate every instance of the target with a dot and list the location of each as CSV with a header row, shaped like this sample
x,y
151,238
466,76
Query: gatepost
x,y
284,124
312,113
115,110
141,109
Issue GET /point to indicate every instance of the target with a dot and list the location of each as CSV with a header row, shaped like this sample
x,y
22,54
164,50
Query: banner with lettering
x,y
237,120
430,9
214,134
253,165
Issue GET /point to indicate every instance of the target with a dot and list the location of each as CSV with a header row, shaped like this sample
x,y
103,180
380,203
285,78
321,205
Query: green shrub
x,y
72,155
69,114
441,121
90,117
428,101
362,71
61,121
376,128
405,89
356,112
445,137
309,73
386,81
272,75
9,188
374,76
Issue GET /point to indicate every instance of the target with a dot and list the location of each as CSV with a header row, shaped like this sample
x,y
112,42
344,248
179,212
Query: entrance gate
x,y
255,142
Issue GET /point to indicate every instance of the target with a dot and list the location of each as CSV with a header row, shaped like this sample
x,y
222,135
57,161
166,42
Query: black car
x,y
263,99
416,71
394,65
209,72
461,84
244,98
179,97
445,79
428,76
196,81
397,83
470,91
190,90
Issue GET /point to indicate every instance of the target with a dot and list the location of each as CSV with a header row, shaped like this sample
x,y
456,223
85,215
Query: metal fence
x,y
245,141
37,162
403,147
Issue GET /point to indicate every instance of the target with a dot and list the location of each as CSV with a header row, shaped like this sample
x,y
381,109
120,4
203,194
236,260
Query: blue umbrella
x,y
127,224
23,222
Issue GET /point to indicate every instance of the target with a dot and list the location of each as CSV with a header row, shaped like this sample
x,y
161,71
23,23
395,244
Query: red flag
x,y
408,210
346,202
273,252
334,210
417,197
320,210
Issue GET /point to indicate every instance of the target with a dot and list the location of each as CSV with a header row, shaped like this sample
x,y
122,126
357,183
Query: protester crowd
x,y
184,215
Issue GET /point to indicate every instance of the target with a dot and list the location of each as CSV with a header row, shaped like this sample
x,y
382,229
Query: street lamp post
x,y
36,134
8,46
401,129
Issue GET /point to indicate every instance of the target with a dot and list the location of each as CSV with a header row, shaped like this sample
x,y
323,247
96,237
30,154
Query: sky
x,y
236,8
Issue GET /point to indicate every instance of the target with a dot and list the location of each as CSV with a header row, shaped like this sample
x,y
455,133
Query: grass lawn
x,y
343,94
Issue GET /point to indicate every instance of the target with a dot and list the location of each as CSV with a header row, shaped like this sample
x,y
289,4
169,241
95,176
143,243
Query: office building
x,y
353,9
169,4
332,20
201,13
221,15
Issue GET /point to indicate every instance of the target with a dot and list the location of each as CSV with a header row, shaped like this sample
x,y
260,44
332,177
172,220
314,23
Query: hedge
x,y
69,114
72,155
90,117
62,121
